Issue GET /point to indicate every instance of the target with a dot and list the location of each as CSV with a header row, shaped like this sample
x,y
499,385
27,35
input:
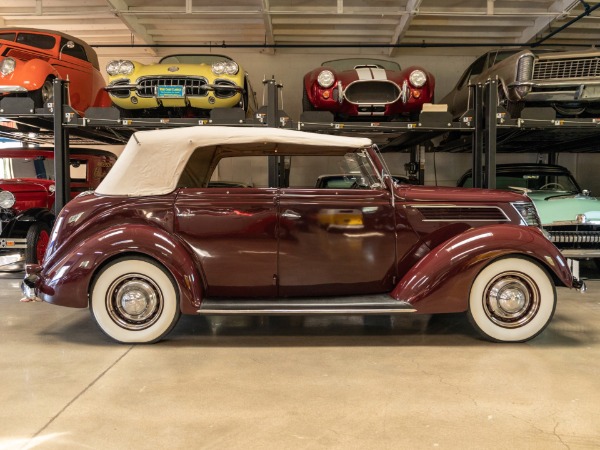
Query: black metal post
x,y
477,147
61,147
491,133
276,163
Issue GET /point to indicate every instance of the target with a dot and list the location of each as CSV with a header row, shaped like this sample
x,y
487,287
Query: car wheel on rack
x,y
135,300
38,236
43,95
512,300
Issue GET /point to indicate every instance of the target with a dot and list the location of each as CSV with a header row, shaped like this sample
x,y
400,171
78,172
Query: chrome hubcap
x,y
46,92
511,300
134,301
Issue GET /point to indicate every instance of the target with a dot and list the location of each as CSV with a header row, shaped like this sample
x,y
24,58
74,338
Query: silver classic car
x,y
567,81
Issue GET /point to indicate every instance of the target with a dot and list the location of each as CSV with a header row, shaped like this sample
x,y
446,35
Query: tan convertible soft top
x,y
153,161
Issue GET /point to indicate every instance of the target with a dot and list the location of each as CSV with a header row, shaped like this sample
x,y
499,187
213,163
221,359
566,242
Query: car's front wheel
x,y
43,95
135,300
512,300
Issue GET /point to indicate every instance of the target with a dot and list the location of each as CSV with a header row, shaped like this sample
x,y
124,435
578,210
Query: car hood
x,y
554,207
453,194
175,70
364,74
18,185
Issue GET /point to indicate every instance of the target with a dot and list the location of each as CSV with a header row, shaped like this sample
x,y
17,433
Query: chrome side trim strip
x,y
374,304
225,312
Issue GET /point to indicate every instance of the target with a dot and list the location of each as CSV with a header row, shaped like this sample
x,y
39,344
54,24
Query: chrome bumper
x,y
30,284
579,285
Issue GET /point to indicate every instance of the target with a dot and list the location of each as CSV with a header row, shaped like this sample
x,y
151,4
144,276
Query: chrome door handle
x,y
289,214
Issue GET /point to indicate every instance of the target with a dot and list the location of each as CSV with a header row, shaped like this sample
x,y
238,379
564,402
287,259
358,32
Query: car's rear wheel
x,y
43,95
135,300
512,300
38,236
567,110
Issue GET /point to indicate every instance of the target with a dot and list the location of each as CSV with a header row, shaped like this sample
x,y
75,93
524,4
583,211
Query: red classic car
x,y
30,59
27,198
367,88
155,240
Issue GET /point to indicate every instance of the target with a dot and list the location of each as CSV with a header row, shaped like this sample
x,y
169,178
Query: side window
x,y
8,36
349,171
76,52
241,171
36,40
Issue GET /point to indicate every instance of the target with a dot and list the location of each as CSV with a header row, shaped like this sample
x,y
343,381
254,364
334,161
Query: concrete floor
x,y
423,382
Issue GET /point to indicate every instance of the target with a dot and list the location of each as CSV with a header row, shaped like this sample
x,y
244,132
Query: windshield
x,y
354,63
194,59
359,164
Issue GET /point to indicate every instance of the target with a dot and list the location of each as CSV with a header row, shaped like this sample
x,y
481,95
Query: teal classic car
x,y
569,214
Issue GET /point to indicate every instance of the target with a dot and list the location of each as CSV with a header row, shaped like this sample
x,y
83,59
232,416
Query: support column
x,y
490,133
477,147
61,147
276,163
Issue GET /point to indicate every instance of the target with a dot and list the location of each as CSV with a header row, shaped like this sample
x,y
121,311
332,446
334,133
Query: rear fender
x,y
67,280
441,281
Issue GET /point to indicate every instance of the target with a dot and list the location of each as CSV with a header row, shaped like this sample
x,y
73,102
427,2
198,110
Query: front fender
x,y
67,281
32,74
19,225
441,281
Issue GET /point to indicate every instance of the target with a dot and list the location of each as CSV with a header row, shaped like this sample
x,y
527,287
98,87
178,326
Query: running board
x,y
372,304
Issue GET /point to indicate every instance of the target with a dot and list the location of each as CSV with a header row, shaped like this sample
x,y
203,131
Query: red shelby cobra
x,y
357,88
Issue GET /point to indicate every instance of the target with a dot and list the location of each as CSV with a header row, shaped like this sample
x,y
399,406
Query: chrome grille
x,y
194,86
369,92
567,68
575,236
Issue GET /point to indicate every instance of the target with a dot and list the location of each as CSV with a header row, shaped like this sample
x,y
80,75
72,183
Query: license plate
x,y
170,92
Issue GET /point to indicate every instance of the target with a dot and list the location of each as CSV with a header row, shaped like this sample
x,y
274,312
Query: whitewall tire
x,y
135,300
512,300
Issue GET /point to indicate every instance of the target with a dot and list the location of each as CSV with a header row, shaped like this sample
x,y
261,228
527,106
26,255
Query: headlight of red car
x,y
417,78
123,67
7,66
228,67
326,79
7,199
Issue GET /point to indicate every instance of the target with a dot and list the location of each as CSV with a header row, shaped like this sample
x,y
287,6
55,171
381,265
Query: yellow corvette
x,y
179,85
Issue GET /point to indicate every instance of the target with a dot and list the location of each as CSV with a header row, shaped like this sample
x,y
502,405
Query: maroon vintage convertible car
x,y
367,88
155,240
27,197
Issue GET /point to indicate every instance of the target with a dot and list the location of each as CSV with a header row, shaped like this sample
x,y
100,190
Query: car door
x,y
232,231
335,241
